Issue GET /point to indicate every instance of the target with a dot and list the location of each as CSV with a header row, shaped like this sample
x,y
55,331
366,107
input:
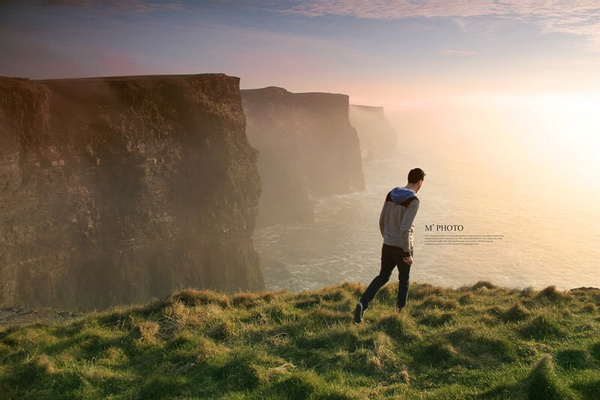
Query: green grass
x,y
478,342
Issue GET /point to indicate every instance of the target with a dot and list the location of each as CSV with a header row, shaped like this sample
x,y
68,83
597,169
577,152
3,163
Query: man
x,y
396,225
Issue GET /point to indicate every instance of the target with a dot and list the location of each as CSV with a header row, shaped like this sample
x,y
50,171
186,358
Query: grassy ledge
x,y
477,342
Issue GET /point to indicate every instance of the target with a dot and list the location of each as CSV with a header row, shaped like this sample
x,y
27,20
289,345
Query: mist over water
x,y
548,227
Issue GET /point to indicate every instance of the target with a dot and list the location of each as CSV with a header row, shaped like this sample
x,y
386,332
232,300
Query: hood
x,y
401,194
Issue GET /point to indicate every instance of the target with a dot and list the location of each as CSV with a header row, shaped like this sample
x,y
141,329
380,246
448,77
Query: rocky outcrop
x,y
307,148
117,190
377,137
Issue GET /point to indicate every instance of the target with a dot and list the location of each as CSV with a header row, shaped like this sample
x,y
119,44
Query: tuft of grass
x,y
542,327
542,383
516,313
147,331
221,331
45,364
436,318
400,327
353,288
439,303
338,337
425,290
239,373
481,349
299,385
527,292
461,334
193,297
438,352
495,311
552,294
307,303
246,299
484,285
466,298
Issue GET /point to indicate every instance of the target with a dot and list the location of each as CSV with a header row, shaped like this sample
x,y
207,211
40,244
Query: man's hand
x,y
408,260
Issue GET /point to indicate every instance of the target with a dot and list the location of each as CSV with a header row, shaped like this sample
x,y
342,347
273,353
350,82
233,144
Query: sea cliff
x,y
117,190
307,149
377,137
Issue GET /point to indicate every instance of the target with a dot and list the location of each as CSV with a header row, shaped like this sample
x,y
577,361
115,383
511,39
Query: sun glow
x,y
571,126
557,133
574,119
550,137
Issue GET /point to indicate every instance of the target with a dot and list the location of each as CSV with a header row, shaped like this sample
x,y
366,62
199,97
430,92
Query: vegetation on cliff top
x,y
481,341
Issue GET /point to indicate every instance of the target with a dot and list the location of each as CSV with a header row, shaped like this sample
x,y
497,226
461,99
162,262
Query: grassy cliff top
x,y
481,341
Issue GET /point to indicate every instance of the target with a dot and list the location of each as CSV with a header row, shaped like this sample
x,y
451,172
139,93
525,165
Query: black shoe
x,y
358,313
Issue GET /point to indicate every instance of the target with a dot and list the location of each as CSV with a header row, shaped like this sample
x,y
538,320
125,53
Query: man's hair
x,y
416,175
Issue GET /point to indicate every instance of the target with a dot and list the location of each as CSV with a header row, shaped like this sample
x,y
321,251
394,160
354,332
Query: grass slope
x,y
480,342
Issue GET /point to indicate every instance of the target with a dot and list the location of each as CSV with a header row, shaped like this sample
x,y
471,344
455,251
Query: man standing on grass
x,y
396,225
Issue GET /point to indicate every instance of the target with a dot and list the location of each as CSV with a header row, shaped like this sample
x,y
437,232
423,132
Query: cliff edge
x,y
117,190
377,137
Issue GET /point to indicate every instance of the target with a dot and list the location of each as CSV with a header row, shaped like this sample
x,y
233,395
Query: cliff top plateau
x,y
479,341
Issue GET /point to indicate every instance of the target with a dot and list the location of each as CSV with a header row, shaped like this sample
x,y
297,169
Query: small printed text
x,y
453,234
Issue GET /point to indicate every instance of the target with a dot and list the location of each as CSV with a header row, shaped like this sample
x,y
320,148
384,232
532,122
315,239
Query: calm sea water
x,y
546,230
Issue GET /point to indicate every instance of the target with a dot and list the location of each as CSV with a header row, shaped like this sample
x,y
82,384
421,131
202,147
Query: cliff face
x,y
377,136
307,148
116,190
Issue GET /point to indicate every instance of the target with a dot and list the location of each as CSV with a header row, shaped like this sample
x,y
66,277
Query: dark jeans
x,y
390,258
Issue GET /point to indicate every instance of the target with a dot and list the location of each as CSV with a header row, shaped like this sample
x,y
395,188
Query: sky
x,y
394,53
493,77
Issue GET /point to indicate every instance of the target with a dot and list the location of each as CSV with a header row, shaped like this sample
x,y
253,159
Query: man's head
x,y
415,178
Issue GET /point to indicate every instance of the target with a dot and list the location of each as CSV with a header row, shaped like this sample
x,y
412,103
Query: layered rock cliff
x,y
377,137
116,190
307,148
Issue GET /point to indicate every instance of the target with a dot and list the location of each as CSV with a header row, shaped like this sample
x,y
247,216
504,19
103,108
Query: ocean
x,y
512,220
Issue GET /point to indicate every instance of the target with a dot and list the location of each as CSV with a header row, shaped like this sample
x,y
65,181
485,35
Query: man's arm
x,y
406,226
